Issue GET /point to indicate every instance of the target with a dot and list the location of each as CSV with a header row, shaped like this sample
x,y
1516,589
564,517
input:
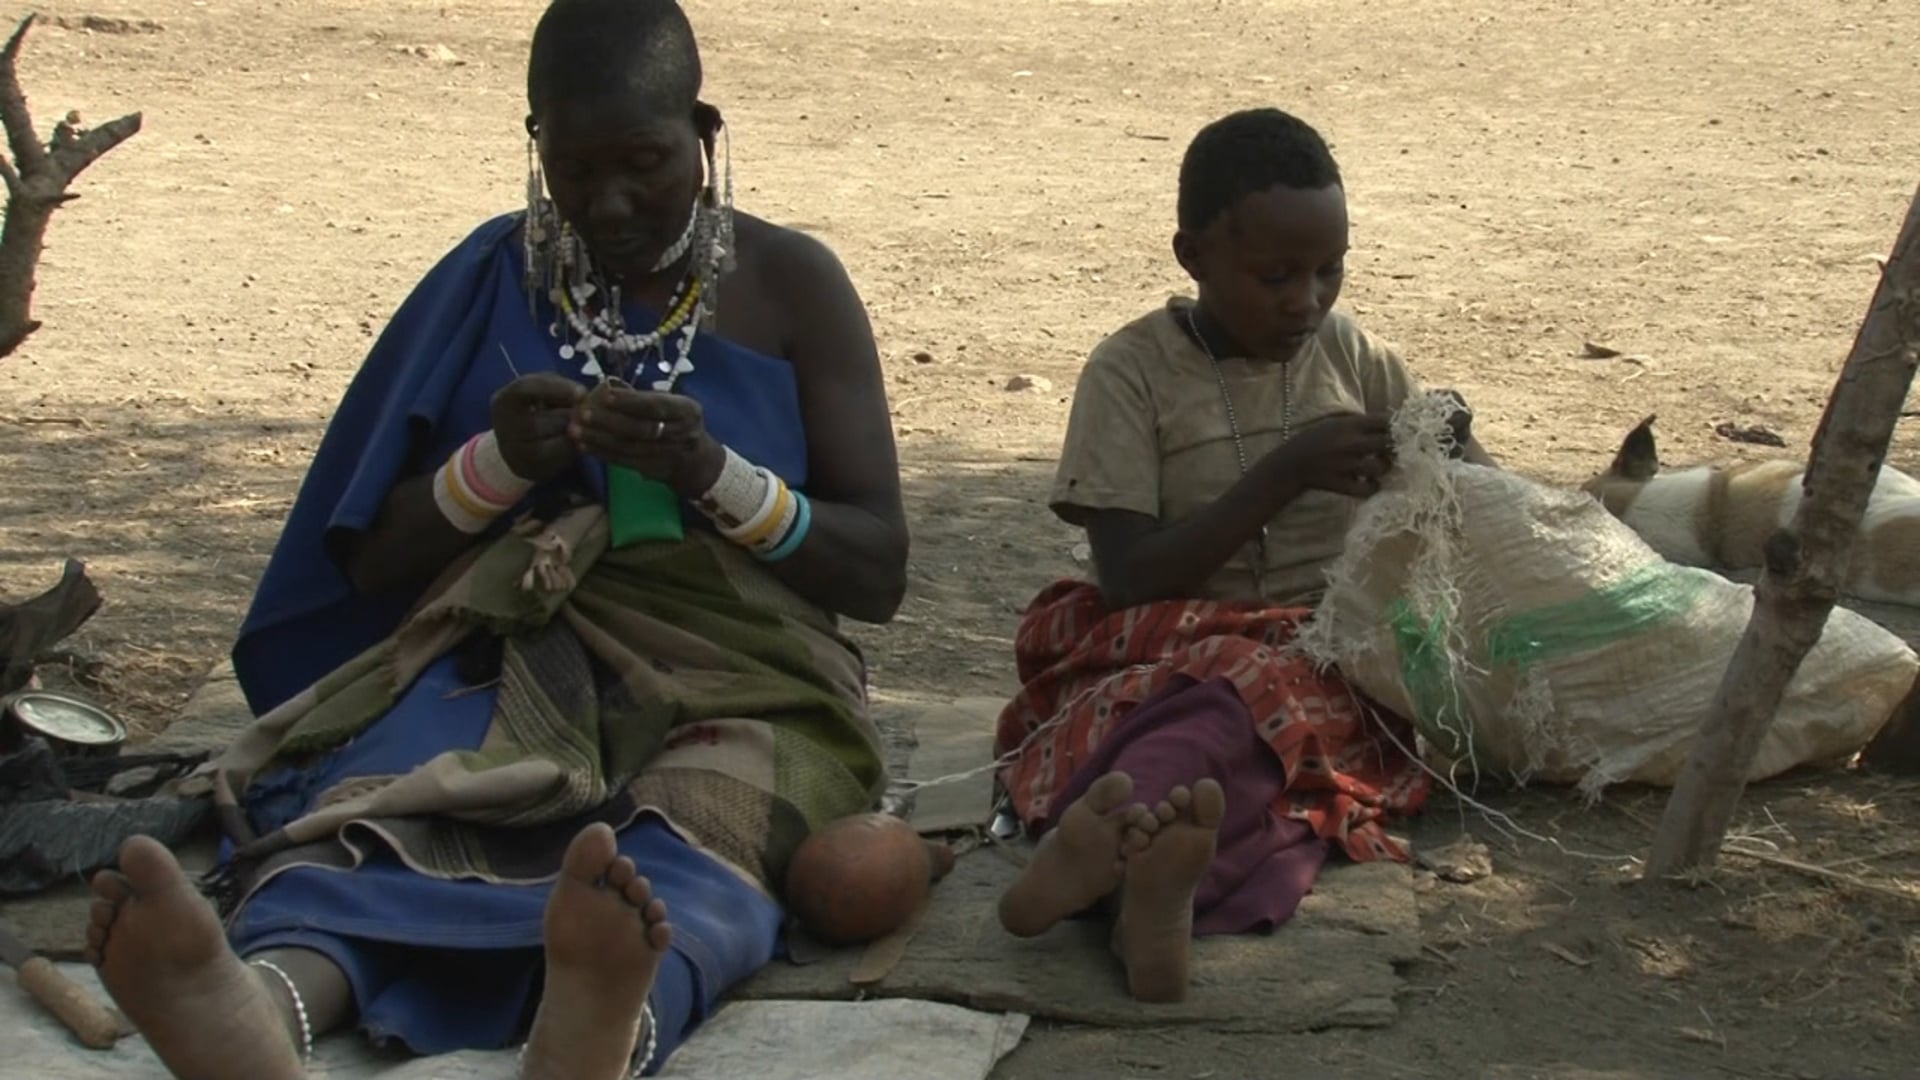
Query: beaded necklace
x,y
597,335
1240,443
590,322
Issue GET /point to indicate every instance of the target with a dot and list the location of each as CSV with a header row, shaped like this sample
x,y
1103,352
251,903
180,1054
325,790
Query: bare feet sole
x,y
605,935
164,958
1079,863
1154,931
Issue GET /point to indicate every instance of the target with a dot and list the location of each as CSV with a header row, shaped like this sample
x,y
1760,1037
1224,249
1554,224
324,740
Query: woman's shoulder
x,y
772,252
481,244
788,288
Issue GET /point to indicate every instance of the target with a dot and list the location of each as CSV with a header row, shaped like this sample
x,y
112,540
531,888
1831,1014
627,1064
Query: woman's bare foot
x,y
1154,931
1079,863
605,934
165,960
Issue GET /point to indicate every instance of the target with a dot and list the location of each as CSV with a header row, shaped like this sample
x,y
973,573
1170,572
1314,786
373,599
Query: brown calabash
x,y
859,879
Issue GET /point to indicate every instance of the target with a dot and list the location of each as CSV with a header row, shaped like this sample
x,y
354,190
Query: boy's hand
x,y
1346,453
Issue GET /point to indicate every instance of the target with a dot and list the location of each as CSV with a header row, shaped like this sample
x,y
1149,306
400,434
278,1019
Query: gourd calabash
x,y
861,878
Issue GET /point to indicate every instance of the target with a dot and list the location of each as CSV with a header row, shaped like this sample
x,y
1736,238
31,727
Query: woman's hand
x,y
1346,453
530,416
660,436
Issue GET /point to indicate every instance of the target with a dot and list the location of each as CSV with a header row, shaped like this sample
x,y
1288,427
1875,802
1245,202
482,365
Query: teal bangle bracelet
x,y
802,524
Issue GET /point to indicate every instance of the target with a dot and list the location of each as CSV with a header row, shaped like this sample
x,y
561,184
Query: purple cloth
x,y
1265,864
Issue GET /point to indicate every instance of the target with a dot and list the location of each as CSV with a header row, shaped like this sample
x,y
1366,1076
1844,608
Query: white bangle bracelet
x,y
470,518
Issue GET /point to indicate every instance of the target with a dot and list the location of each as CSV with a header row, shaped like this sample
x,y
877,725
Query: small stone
x,y
1462,862
1028,382
923,357
133,780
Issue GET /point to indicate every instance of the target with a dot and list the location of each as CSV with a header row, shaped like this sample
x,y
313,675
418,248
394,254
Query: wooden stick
x,y
1804,564
37,179
1825,873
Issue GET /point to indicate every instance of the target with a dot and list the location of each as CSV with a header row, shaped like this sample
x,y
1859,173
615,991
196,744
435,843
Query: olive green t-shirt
x,y
1149,433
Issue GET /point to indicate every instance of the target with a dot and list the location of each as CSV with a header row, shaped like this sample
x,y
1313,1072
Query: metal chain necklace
x,y
1239,440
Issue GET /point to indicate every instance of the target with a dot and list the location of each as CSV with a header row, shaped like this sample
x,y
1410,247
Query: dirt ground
x,y
1698,185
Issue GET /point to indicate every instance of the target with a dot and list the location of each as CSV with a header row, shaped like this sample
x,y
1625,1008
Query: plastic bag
x,y
1527,633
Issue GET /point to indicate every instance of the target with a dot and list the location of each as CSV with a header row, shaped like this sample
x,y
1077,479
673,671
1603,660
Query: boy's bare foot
x,y
1080,862
164,958
605,934
1153,932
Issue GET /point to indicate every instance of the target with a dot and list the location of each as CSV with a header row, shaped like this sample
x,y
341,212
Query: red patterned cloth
x,y
1084,668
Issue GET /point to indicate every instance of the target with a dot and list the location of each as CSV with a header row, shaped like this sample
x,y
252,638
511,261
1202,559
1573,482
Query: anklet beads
x,y
643,1056
644,1047
299,1007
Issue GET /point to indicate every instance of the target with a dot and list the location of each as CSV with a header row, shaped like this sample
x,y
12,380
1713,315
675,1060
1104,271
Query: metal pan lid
x,y
67,718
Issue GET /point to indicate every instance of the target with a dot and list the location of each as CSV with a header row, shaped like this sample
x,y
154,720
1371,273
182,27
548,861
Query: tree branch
x,y
37,180
1805,564
28,155
75,148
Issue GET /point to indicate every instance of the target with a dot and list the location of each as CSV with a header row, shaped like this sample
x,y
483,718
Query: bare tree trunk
x,y
1805,564
37,178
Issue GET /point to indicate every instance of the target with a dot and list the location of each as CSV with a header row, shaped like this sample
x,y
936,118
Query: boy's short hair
x,y
1250,151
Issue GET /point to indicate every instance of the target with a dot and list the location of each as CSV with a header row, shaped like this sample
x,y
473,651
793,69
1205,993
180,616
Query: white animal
x,y
1720,517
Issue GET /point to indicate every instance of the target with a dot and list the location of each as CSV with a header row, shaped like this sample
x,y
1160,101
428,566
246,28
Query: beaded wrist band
x,y
752,507
299,1007
476,485
738,496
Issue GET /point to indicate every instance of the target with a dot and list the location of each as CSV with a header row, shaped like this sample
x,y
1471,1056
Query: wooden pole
x,y
1805,564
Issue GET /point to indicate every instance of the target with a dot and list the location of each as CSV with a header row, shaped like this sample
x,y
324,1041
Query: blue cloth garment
x,y
439,965
426,388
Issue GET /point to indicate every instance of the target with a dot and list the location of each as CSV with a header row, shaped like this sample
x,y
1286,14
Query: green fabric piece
x,y
640,509
1425,674
1644,599
1647,598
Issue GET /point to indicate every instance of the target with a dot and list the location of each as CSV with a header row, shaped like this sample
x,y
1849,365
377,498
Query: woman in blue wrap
x,y
546,663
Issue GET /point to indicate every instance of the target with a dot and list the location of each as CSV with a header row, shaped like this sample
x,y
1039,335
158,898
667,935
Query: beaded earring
x,y
715,215
721,198
551,250
533,233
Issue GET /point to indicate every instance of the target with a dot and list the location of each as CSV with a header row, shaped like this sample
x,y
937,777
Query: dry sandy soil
x,y
1699,185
